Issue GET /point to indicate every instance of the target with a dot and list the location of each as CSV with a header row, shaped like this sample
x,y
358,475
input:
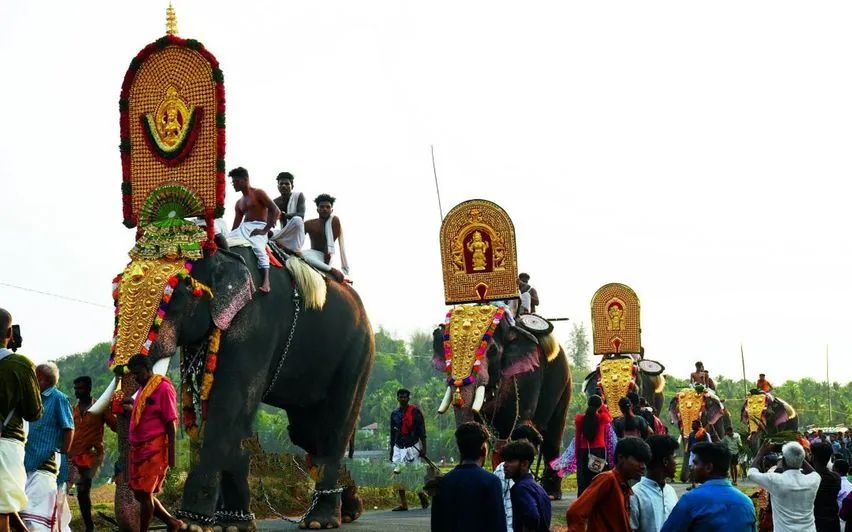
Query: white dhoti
x,y
40,513
258,242
13,476
63,511
316,259
292,235
407,455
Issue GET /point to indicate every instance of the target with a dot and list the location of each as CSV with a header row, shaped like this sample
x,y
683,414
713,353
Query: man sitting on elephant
x,y
701,376
152,440
255,217
324,232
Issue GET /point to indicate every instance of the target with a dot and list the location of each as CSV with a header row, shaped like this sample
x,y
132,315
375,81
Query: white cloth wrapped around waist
x,y
13,476
292,235
257,242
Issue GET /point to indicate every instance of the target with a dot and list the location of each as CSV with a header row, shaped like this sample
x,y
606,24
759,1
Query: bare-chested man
x,y
324,231
291,236
256,216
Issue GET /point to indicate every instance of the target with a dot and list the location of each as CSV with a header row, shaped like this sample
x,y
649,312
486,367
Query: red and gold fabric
x,y
149,463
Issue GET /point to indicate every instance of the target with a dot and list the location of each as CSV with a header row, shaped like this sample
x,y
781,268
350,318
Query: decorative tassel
x,y
457,398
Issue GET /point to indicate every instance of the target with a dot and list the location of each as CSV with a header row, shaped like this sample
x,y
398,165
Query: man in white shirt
x,y
793,491
524,432
653,498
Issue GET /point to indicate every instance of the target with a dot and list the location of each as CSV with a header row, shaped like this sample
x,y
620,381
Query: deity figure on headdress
x,y
615,316
477,246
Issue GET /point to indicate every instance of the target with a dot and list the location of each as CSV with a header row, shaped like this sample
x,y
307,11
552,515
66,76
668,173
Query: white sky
x,y
698,152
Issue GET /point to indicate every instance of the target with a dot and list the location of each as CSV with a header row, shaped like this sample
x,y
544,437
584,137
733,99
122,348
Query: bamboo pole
x,y
828,385
745,380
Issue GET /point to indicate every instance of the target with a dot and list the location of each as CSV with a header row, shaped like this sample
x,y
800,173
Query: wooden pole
x,y
745,380
828,385
437,190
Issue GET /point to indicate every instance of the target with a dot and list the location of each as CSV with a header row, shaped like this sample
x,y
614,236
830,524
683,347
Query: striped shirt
x,y
46,434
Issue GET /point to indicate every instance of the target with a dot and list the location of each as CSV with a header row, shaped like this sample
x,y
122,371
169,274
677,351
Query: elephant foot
x,y
195,522
326,514
235,521
351,505
552,485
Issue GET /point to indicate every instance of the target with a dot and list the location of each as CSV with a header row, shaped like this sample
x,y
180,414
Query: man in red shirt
x,y
604,505
87,448
763,384
152,441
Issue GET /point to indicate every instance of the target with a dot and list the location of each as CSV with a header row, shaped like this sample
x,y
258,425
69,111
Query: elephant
x,y
649,386
524,378
766,415
699,403
307,347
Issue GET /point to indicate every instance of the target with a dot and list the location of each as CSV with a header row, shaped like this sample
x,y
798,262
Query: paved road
x,y
418,520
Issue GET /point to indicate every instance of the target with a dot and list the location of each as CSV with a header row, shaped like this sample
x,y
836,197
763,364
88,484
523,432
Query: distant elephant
x,y
314,364
698,403
765,415
524,378
649,386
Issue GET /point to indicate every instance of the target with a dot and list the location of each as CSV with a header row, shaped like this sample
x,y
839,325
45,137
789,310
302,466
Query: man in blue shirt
x,y
468,497
530,503
716,504
49,436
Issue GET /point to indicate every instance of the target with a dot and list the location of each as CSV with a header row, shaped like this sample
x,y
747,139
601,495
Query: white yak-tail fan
x,y
310,283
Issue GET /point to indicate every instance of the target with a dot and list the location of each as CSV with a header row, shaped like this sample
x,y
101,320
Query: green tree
x,y
578,348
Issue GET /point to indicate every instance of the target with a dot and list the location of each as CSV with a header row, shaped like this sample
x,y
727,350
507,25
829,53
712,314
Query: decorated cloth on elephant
x,y
153,409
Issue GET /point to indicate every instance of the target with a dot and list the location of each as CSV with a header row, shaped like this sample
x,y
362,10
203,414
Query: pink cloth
x,y
160,410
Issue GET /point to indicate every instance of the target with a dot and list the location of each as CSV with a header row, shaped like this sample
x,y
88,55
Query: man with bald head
x,y
20,400
49,437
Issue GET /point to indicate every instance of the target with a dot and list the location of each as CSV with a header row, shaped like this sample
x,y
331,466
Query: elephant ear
x,y
524,360
713,409
232,289
438,359
674,415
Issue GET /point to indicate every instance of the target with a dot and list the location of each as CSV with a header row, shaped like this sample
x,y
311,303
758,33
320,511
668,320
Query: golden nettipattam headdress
x,y
172,128
615,320
478,253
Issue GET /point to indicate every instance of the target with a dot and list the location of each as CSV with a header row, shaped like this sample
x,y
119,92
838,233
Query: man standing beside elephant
x,y
407,430
152,440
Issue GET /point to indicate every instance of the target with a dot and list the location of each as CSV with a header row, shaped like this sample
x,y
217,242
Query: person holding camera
x,y
20,400
792,486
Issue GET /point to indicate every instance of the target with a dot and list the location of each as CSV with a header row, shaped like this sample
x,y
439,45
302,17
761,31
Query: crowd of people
x,y
46,445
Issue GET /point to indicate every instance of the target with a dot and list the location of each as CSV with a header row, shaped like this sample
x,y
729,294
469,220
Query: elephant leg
x,y
126,507
338,414
223,463
551,440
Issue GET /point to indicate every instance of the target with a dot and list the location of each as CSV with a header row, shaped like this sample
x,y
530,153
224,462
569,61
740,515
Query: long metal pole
x,y
828,385
437,189
745,380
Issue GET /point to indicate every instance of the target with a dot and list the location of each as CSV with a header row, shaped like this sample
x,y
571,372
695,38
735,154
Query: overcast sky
x,y
698,152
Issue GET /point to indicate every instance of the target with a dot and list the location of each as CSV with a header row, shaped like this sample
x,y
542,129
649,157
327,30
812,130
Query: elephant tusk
x,y
479,398
100,406
445,404
161,367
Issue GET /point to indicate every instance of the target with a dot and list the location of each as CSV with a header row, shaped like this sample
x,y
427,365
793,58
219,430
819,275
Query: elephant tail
x,y
351,452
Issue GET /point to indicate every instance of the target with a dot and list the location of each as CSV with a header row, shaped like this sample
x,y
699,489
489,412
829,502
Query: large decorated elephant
x,y
513,374
616,376
306,347
765,415
699,403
